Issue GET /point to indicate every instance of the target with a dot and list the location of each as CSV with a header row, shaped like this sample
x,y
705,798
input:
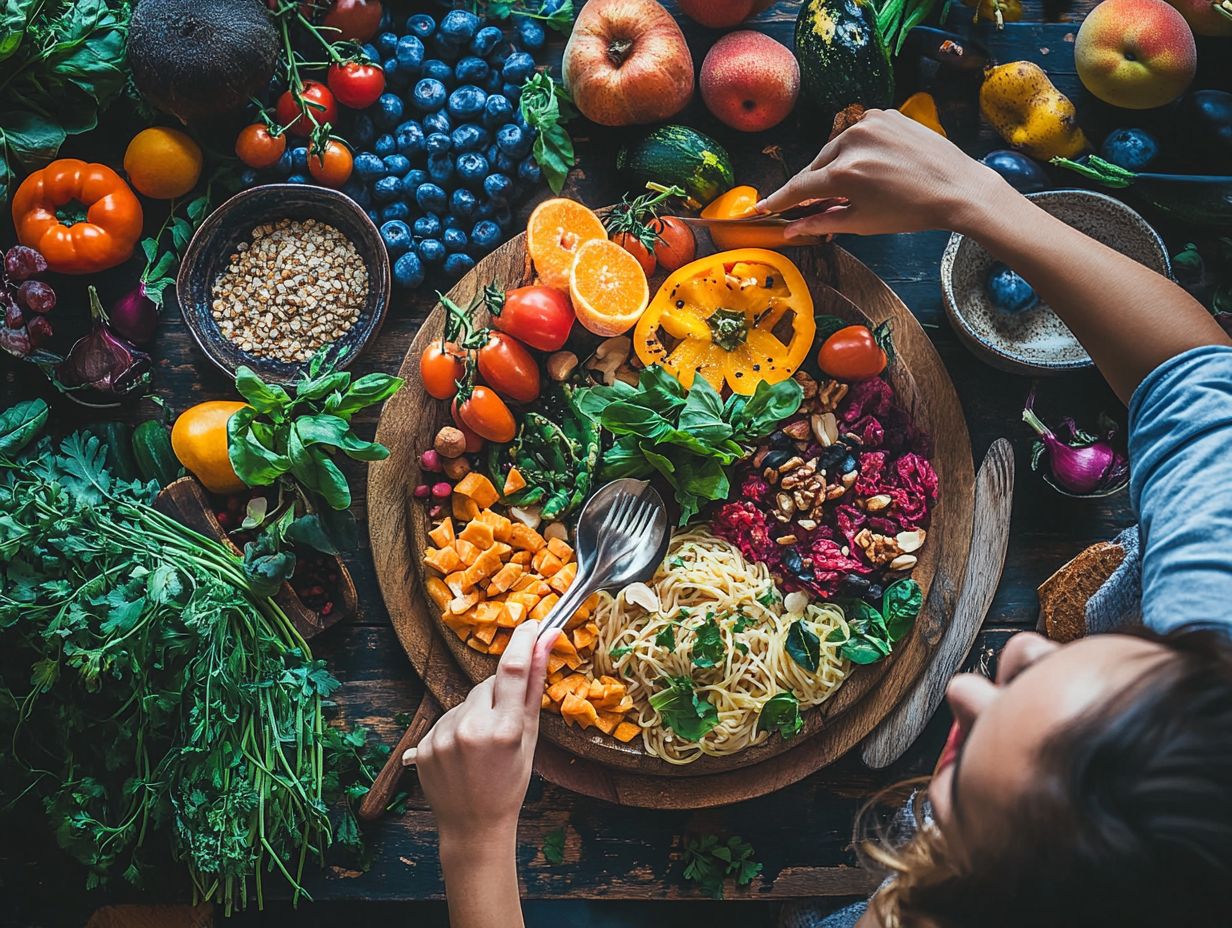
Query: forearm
x,y
481,880
1129,319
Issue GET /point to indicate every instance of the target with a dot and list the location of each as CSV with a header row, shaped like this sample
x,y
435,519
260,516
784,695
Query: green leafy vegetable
x,y
781,713
804,646
20,424
873,632
708,647
683,711
618,652
708,861
900,604
554,846
63,65
546,107
666,638
560,19
690,437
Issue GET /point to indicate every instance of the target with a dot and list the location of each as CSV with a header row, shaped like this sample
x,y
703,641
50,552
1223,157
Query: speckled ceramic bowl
x,y
211,247
1036,341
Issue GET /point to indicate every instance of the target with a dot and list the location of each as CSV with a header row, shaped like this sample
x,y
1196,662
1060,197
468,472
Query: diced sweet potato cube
x,y
577,620
530,583
501,550
582,639
514,481
607,679
500,525
478,488
443,560
503,580
541,610
511,615
459,622
500,642
563,578
463,508
529,600
626,732
473,642
459,583
442,536
438,592
555,662
520,557
594,690
556,677
592,603
578,711
485,633
486,564
545,702
560,548
488,613
558,690
525,538
611,698
576,684
606,722
546,563
478,533
466,550
460,604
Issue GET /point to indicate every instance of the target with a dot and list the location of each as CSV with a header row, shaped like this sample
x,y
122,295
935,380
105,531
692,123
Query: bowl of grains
x,y
280,271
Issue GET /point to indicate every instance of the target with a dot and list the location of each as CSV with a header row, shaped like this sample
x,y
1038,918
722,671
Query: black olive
x,y
780,440
830,457
874,593
776,458
792,560
847,465
853,585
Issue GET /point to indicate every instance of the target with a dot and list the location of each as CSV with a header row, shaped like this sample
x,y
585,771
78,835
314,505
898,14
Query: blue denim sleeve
x,y
1180,450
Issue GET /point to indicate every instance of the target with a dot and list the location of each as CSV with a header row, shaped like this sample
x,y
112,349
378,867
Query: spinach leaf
x,y
20,424
804,646
702,414
683,711
900,604
554,846
708,647
781,713
265,566
252,460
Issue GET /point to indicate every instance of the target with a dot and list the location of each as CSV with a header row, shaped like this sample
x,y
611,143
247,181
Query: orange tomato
x,y
676,246
441,366
852,354
199,440
257,147
486,414
330,166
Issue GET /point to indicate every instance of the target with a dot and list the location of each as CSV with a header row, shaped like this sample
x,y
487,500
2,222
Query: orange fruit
x,y
199,440
608,288
162,163
556,230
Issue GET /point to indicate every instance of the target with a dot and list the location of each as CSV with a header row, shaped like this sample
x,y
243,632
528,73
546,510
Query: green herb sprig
x,y
781,713
708,861
560,18
874,632
546,107
683,711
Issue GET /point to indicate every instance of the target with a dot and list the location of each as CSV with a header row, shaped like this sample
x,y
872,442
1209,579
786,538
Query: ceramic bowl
x,y
215,241
1036,341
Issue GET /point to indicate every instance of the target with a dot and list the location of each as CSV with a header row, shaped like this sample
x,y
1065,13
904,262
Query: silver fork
x,y
619,540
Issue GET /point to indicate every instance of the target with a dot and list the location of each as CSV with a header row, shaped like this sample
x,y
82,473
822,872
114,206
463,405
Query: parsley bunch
x,y
708,861
149,689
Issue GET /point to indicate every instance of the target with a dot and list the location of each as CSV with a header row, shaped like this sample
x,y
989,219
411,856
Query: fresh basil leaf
x,y
335,432
781,713
20,424
264,397
628,418
591,401
804,646
862,650
316,388
341,527
702,413
367,391
769,405
683,711
863,618
309,531
659,390
253,461
900,604
708,647
313,468
266,569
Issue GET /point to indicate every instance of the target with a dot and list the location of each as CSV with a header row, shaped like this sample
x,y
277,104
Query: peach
x,y
1136,54
749,81
1203,18
721,14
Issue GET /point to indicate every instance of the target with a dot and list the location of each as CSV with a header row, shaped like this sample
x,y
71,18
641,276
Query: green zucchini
x,y
681,156
151,449
843,56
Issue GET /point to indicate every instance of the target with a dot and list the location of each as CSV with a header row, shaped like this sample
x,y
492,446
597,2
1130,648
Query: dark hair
x,y
1127,824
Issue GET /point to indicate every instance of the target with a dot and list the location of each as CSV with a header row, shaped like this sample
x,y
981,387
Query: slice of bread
x,y
1063,596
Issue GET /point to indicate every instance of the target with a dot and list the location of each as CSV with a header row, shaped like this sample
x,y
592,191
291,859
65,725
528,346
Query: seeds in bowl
x,y
297,285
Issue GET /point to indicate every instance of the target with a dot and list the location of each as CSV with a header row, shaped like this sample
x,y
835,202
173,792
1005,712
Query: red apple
x,y
721,14
749,81
1136,54
627,62
1203,18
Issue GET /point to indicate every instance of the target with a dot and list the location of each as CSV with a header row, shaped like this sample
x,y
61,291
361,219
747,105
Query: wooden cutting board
x,y
598,766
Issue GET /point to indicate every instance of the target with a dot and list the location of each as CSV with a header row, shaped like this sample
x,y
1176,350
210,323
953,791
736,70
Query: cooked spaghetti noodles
x,y
705,580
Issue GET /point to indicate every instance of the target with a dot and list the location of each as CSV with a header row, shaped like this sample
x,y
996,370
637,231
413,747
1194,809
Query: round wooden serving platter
x,y
599,766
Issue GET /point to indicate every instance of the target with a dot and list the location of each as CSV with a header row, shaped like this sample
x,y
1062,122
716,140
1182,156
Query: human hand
x,y
475,763
897,175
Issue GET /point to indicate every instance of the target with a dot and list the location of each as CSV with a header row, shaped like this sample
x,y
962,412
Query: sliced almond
x,y
825,428
903,562
556,530
910,541
878,502
528,516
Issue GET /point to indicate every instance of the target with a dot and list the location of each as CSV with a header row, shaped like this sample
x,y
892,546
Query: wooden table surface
x,y
801,834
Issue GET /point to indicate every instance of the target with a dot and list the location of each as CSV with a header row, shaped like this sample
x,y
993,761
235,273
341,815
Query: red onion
x,y
103,362
134,316
1077,462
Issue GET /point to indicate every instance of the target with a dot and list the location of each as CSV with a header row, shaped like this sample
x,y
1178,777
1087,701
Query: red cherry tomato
x,y
257,147
630,243
317,100
441,366
508,368
332,166
486,415
356,85
852,353
541,317
676,245
356,20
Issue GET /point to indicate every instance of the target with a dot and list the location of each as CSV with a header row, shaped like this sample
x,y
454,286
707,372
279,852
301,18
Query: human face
x,y
1000,726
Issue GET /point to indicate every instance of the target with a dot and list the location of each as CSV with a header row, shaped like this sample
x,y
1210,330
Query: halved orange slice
x,y
608,288
554,232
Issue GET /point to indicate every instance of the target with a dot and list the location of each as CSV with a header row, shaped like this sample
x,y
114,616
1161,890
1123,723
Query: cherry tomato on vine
x,y
852,353
633,245
356,20
485,414
257,147
441,366
508,368
317,99
676,245
356,84
541,317
331,167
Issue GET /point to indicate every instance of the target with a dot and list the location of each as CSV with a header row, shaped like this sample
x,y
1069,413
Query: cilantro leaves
x,y
708,861
708,647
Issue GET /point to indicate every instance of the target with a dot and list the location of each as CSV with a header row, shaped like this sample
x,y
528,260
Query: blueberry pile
x,y
440,157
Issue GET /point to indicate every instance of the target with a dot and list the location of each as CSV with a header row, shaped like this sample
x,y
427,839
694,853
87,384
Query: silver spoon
x,y
622,535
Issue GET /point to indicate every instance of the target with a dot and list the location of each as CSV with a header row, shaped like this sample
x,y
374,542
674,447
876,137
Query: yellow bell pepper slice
x,y
736,318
